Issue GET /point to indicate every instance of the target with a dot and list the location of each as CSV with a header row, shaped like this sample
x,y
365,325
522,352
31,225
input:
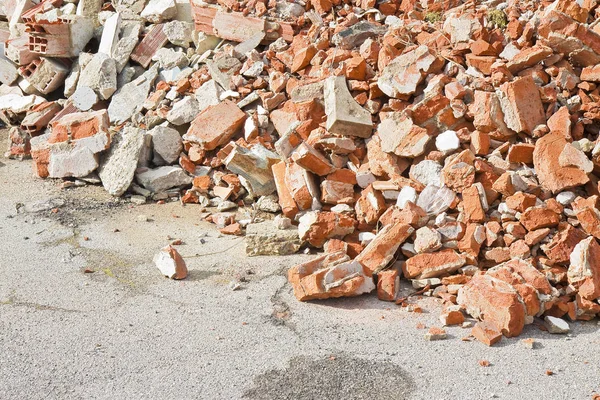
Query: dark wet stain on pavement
x,y
335,377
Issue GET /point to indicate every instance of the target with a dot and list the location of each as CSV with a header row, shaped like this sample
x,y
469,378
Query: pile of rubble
x,y
452,143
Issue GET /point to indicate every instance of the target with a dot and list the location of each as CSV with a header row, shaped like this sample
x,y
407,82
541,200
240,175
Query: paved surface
x,y
93,319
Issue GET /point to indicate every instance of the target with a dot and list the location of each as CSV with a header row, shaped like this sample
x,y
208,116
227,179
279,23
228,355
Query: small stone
x,y
486,333
459,172
435,333
159,10
494,301
585,145
353,36
316,227
452,315
84,98
226,206
480,143
179,33
381,250
138,200
570,156
427,172
170,58
8,70
166,143
539,217
521,201
551,174
232,229
254,166
282,222
432,265
407,194
529,343
522,105
163,178
447,142
208,95
329,276
474,203
311,160
184,111
422,283
528,57
129,97
427,240
562,246
556,325
170,263
269,204
435,200
100,75
584,268
216,125
388,283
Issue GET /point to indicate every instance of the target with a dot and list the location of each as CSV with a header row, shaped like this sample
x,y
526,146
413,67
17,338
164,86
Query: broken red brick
x,y
317,227
551,174
486,333
495,302
522,106
563,243
431,265
382,249
388,283
539,217
329,276
286,201
216,125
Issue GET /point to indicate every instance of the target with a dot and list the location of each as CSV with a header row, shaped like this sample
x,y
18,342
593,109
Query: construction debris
x,y
170,263
453,144
435,333
556,325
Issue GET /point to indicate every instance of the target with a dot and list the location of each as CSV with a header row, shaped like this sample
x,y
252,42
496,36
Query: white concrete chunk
x,y
159,10
406,194
447,142
163,178
167,143
344,115
100,74
184,111
84,98
131,96
110,35
556,325
119,166
208,94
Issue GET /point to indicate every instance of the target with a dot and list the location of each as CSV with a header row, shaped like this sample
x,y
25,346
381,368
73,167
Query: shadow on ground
x,y
364,302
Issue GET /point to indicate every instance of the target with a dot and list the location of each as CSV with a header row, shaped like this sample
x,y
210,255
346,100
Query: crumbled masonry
x,y
460,152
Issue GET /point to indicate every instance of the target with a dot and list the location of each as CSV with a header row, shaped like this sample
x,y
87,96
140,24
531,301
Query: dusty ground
x,y
93,319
